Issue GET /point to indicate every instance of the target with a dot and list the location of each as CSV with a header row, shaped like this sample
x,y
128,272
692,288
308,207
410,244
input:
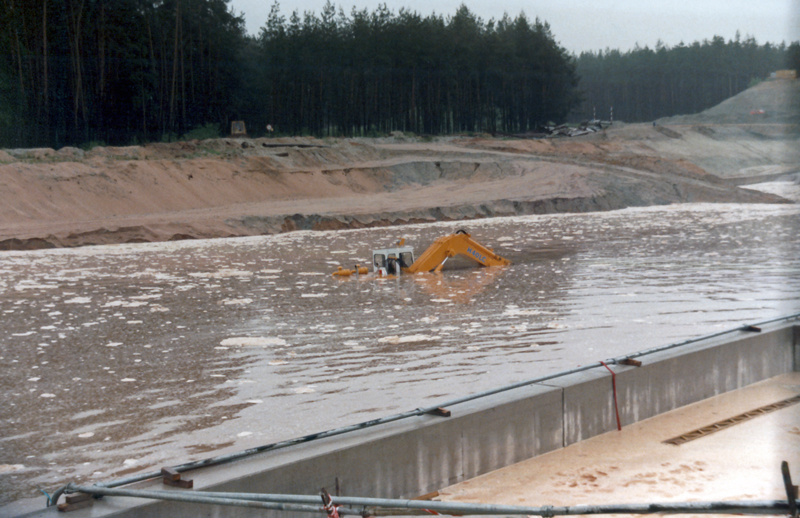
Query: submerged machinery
x,y
400,259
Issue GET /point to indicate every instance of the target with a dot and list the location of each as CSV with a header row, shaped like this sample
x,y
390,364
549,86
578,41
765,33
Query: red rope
x,y
614,386
332,510
327,503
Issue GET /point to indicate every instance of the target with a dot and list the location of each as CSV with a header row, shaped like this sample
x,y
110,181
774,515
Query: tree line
x,y
73,71
126,71
644,84
380,71
136,70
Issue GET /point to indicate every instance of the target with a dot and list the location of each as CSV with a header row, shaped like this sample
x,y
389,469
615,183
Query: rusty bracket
x,y
171,477
791,491
441,412
630,361
75,502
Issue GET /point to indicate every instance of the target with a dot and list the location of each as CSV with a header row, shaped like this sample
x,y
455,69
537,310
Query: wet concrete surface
x,y
119,359
635,465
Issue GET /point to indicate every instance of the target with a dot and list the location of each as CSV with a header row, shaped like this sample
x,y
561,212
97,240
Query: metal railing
x,y
365,507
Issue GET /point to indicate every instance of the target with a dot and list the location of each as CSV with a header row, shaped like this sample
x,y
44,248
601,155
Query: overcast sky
x,y
595,24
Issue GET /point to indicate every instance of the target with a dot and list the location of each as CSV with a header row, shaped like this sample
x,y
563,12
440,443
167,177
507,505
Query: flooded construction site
x,y
125,358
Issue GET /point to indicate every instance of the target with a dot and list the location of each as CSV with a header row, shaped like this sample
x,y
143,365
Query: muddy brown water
x,y
119,359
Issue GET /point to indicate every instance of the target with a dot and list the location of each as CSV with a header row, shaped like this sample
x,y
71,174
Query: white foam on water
x,y
78,300
406,339
252,341
515,312
221,274
124,304
237,302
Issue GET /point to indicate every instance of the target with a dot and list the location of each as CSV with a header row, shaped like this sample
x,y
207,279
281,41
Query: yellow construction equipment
x,y
446,247
392,261
358,270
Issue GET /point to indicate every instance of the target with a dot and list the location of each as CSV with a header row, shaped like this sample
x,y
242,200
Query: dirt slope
x,y
231,187
775,102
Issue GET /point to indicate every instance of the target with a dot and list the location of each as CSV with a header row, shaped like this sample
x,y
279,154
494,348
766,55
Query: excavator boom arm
x,y
459,243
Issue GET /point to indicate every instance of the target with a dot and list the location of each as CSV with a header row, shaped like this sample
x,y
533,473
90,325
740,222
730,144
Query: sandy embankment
x,y
235,187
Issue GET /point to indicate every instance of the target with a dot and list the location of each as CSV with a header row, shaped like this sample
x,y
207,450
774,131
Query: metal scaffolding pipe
x,y
754,508
400,507
198,497
223,459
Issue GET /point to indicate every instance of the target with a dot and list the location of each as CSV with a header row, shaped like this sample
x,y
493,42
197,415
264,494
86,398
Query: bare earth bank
x,y
238,187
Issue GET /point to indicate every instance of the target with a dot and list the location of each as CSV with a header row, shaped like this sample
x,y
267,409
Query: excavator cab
x,y
392,261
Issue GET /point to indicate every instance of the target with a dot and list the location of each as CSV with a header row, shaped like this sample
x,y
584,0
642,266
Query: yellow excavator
x,y
400,259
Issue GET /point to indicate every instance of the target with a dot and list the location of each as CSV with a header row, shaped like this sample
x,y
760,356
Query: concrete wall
x,y
420,455
675,378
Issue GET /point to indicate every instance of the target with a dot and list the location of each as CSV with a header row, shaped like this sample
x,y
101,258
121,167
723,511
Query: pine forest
x,y
75,72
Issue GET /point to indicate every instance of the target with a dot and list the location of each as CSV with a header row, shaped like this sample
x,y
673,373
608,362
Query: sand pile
x,y
773,101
